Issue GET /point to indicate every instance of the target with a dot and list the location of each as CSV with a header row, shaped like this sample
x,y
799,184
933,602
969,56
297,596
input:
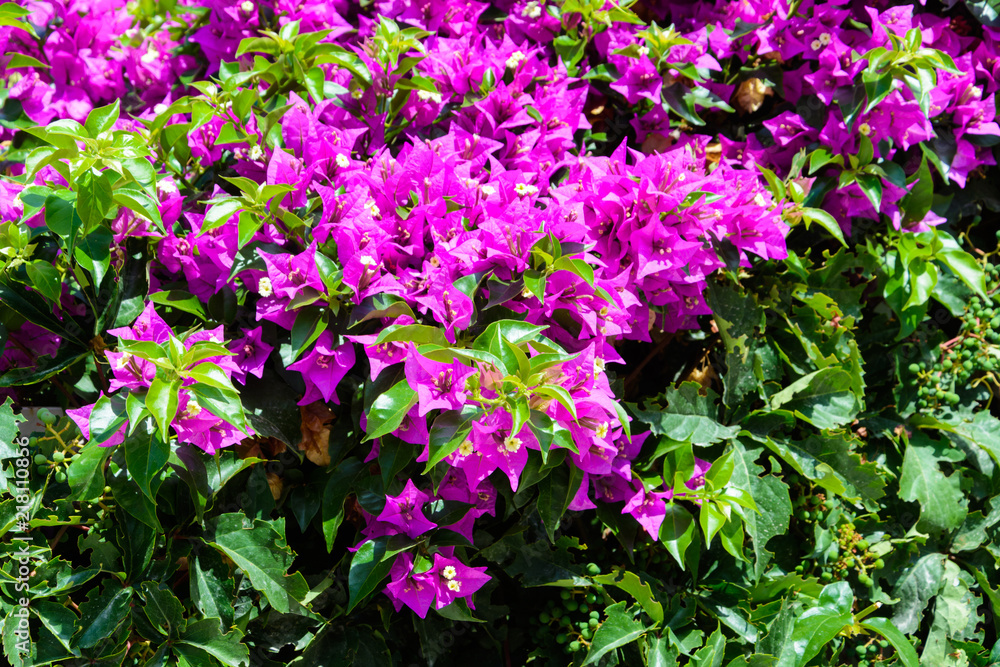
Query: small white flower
x,y
523,189
369,261
865,129
248,7
465,448
426,95
816,45
454,585
599,365
374,210
759,200
602,430
343,162
825,38
532,10
488,190
512,443
357,93
159,108
150,55
643,52
256,153
515,59
449,572
264,287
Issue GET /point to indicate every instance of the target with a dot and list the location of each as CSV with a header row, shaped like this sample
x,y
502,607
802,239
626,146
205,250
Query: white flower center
x,y
343,162
515,59
449,572
532,10
264,287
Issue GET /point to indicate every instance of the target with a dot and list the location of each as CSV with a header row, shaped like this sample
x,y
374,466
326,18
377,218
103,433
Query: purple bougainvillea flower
x,y
251,354
405,513
454,579
438,385
406,587
323,368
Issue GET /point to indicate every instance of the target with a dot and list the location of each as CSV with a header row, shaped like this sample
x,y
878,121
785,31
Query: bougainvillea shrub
x,y
579,332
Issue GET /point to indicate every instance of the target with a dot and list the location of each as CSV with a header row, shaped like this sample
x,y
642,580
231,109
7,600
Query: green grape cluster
x,y
973,352
53,452
812,506
574,618
870,652
854,557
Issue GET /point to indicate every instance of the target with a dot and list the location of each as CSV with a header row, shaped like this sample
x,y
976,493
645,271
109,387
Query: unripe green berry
x,y
46,417
58,457
826,576
40,459
914,368
593,569
591,598
572,605
952,398
42,470
593,622
862,544
595,614
967,365
878,564
586,634
864,580
861,650
544,618
107,490
574,647
561,638
60,477
565,595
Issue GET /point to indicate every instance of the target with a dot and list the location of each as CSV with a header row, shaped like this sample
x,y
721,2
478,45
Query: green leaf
x,y
713,652
338,486
389,409
226,648
368,568
212,588
555,492
883,626
102,119
102,614
94,198
85,474
824,220
258,548
145,455
640,590
162,608
180,300
943,506
93,253
106,418
914,589
45,278
677,531
162,401
822,398
618,629
817,626
772,499
688,416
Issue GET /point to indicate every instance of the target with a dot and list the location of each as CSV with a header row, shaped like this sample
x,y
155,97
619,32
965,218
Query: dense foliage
x,y
528,332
